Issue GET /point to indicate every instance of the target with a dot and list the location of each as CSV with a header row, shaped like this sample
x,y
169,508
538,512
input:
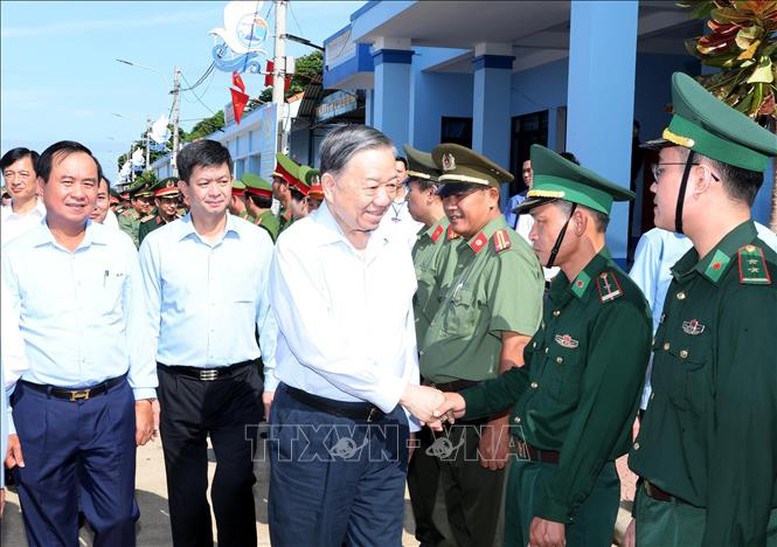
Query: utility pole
x,y
176,115
279,73
148,145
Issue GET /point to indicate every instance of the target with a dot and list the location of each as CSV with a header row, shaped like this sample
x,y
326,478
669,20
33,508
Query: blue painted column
x,y
600,98
391,96
492,66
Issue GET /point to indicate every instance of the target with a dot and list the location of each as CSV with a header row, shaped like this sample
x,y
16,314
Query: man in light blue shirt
x,y
83,401
204,295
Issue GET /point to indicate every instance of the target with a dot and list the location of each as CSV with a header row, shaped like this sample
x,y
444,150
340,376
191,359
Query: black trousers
x,y
229,410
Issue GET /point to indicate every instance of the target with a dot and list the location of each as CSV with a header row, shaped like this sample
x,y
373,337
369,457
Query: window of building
x,y
456,131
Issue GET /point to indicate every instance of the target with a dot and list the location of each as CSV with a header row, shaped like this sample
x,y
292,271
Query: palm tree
x,y
742,43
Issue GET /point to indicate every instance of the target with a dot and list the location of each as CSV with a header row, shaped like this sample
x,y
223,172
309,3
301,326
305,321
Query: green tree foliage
x,y
206,127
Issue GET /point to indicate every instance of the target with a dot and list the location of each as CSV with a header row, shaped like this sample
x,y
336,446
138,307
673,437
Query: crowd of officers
x,y
541,380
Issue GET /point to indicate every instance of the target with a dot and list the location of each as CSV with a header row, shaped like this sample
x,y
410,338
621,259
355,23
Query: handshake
x,y
431,406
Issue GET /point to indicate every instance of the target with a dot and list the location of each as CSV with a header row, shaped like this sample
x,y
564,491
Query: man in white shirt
x,y
26,209
204,281
342,291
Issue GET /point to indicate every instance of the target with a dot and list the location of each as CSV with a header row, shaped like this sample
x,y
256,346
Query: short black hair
x,y
63,148
260,201
203,153
601,220
15,154
741,184
296,194
403,160
569,156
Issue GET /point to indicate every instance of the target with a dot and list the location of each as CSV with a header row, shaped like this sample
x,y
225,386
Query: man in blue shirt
x,y
204,278
83,402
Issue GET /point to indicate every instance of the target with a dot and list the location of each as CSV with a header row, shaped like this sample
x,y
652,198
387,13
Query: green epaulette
x,y
752,266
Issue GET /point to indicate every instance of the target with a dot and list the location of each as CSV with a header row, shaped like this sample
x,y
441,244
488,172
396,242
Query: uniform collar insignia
x,y
478,242
693,327
580,284
566,341
451,234
717,266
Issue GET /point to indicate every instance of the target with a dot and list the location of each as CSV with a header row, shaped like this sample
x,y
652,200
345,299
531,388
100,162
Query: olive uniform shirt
x,y
579,389
431,247
489,284
709,435
149,224
269,222
129,223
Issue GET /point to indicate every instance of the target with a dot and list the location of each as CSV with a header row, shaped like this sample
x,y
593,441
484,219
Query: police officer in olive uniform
x,y
575,400
141,199
490,304
432,244
290,190
237,203
258,195
166,199
707,446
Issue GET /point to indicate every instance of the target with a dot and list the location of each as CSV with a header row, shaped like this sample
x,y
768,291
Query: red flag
x,y
269,76
239,102
237,81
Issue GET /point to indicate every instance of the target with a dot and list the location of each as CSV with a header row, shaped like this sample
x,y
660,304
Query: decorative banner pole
x,y
279,74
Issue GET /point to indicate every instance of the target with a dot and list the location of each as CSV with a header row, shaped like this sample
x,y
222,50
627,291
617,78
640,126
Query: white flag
x,y
158,131
137,158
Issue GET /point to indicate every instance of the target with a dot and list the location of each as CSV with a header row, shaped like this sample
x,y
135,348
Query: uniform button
x,y
683,354
681,295
534,385
416,319
556,313
517,419
420,352
559,360
636,446
666,346
652,395
546,350
654,341
534,345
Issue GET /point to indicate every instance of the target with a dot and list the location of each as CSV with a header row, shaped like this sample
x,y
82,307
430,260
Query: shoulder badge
x,y
752,266
437,233
451,234
501,240
478,242
609,288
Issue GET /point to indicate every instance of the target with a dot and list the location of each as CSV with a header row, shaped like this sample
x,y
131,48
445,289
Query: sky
x,y
59,78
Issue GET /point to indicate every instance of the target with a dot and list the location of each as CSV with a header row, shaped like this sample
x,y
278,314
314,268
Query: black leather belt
x,y
208,374
365,412
527,452
455,385
74,395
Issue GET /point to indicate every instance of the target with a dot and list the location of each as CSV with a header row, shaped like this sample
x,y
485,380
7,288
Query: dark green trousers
x,y
594,519
670,524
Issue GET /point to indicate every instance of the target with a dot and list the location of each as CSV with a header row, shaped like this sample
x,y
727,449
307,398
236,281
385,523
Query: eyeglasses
x,y
658,169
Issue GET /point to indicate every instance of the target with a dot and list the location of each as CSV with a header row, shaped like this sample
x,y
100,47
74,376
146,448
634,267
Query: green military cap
x,y
310,176
421,165
238,188
462,168
256,185
556,177
140,190
166,187
710,127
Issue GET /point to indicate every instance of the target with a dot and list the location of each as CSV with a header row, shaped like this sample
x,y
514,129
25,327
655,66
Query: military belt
x,y
656,493
344,409
77,394
208,374
527,452
454,386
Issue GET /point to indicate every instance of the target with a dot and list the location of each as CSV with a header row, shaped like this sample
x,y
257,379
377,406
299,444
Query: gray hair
x,y
345,141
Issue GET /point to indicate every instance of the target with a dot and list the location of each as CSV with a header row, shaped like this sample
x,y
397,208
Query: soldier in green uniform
x,y
429,252
575,400
290,190
166,198
258,193
490,304
142,201
237,203
707,446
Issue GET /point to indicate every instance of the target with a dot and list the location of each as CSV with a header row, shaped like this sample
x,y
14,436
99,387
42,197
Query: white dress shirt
x,y
12,225
203,301
345,316
398,220
74,309
657,251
